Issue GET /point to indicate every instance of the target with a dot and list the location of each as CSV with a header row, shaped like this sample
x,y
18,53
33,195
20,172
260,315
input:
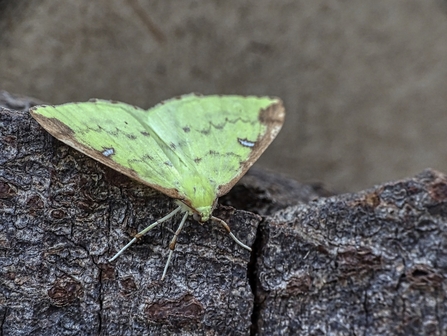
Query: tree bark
x,y
371,263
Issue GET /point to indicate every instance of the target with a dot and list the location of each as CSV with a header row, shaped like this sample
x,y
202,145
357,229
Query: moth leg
x,y
225,225
173,242
142,233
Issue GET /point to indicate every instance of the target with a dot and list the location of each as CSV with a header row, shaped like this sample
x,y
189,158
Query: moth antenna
x,y
226,227
146,230
172,244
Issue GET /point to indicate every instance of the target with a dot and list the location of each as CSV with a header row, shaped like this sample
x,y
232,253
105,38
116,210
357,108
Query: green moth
x,y
192,148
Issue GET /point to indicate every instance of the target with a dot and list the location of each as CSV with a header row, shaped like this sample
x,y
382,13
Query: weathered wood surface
x,y
371,263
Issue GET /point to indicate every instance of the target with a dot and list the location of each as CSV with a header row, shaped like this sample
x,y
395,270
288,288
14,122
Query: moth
x,y
192,148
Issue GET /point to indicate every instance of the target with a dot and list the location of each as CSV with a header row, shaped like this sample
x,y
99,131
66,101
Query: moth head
x,y
202,214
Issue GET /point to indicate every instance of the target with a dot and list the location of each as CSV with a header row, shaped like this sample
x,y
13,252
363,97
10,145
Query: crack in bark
x,y
253,280
3,321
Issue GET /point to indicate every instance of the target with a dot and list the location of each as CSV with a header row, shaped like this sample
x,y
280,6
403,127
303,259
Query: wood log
x,y
372,262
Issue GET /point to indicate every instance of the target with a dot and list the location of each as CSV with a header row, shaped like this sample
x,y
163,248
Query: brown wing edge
x,y
273,117
65,134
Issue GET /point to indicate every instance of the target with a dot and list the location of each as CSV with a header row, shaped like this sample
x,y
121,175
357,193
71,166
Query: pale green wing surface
x,y
217,138
194,148
115,134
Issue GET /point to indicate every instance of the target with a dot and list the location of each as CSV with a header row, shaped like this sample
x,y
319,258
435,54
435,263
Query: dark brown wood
x,y
371,263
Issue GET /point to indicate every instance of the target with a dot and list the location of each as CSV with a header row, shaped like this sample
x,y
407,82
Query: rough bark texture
x,y
371,263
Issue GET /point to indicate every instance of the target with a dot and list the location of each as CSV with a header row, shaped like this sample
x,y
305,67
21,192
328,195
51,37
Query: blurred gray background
x,y
364,82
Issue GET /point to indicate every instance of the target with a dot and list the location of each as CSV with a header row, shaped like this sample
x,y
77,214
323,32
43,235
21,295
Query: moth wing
x,y
193,148
117,135
217,138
